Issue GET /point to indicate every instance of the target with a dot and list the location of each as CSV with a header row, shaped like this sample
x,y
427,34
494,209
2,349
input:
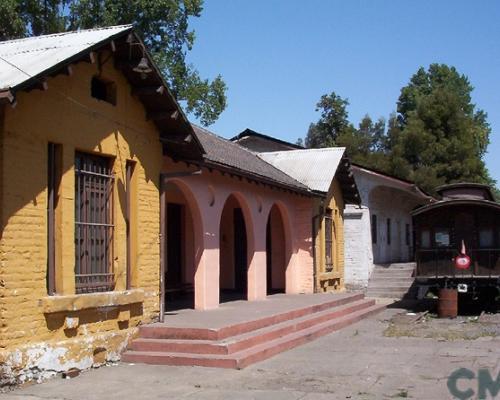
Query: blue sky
x,y
279,56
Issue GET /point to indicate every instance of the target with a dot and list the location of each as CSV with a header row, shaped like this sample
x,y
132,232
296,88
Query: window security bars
x,y
93,224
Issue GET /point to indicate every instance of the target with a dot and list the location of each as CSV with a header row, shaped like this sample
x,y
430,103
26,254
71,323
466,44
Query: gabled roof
x,y
259,142
222,153
316,168
23,59
392,181
26,63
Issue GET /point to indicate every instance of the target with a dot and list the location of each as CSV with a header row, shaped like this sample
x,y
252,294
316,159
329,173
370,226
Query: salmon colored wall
x,y
66,114
207,193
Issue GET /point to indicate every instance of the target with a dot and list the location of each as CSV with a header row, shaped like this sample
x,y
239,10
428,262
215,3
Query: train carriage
x,y
457,240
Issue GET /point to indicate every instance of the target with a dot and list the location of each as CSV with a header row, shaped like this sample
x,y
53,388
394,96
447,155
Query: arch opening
x,y
277,251
182,242
234,254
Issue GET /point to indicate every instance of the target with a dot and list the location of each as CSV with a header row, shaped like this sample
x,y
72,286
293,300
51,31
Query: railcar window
x,y
425,239
442,237
486,237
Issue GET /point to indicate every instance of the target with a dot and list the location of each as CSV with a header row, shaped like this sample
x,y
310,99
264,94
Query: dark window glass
x,y
486,238
407,234
425,239
442,237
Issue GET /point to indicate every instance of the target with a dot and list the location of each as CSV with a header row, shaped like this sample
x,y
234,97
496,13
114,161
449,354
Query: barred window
x,y
328,240
93,224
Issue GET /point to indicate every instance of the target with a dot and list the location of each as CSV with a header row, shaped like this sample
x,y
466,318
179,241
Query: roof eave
x,y
246,174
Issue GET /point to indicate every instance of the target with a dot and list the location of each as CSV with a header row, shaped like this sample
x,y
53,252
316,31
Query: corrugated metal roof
x,y
226,153
34,55
315,168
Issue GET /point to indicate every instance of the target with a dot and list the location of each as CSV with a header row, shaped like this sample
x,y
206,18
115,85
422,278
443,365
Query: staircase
x,y
392,281
241,344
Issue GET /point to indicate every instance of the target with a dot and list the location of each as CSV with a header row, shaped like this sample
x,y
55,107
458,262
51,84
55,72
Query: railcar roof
x,y
456,202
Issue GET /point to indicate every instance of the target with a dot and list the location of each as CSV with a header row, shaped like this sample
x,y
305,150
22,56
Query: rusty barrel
x,y
448,303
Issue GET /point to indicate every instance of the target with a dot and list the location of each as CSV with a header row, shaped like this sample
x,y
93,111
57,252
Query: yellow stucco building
x,y
80,164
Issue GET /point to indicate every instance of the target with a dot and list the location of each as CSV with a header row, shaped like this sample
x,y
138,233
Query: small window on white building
x,y
388,231
374,229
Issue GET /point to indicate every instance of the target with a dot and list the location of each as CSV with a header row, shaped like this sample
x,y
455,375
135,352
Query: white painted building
x,y
380,231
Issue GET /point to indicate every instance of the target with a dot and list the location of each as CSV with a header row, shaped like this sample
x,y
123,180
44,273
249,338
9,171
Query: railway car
x,y
457,241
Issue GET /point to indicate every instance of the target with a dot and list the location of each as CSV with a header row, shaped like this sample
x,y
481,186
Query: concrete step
x,y
395,267
384,274
393,293
407,282
162,331
253,354
246,340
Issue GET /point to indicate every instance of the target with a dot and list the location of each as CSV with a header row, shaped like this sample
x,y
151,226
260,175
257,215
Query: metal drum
x,y
448,303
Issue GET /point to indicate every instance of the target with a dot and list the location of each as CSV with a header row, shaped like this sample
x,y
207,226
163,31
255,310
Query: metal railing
x,y
439,262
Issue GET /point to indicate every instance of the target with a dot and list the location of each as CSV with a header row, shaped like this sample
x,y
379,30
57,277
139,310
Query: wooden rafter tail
x,y
40,84
7,97
92,57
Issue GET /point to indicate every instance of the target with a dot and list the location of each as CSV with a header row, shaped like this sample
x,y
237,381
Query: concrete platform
x,y
241,333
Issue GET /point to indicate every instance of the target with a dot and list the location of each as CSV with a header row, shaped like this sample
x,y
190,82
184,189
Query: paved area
x,y
241,311
358,362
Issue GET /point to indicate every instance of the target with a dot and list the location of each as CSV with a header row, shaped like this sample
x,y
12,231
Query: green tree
x,y
332,123
163,25
11,22
366,145
443,136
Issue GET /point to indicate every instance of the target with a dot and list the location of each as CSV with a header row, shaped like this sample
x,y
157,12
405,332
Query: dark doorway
x,y
240,252
269,257
174,245
233,281
178,294
276,257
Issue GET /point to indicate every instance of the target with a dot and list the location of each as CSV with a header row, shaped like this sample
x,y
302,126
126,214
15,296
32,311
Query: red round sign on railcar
x,y
462,261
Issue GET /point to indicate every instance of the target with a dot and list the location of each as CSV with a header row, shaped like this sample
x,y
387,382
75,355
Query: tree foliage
x,y
333,122
438,135
443,135
163,25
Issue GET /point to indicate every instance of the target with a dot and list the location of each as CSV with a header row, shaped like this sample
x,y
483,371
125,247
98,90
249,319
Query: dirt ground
x,y
359,362
428,325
